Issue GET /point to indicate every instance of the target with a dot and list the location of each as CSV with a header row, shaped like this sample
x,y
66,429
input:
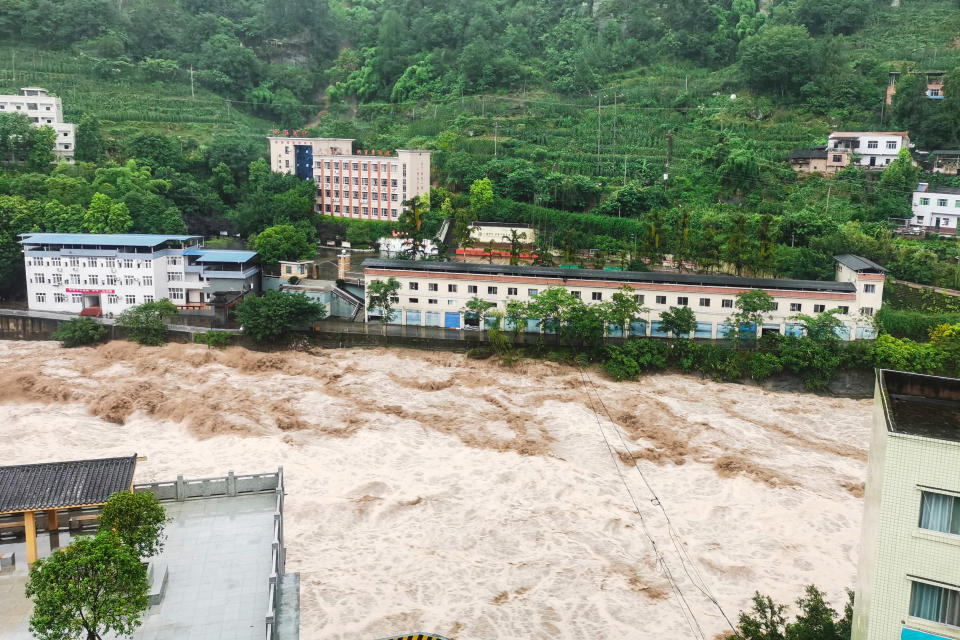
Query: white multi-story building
x,y
44,110
103,274
871,149
368,184
435,294
908,579
936,209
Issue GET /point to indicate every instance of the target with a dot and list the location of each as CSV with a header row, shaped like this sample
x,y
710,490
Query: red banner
x,y
89,290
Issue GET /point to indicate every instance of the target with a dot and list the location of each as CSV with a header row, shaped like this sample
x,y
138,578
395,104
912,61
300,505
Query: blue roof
x,y
97,239
221,255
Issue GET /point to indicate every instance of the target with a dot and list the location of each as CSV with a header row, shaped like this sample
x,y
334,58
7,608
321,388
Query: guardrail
x,y
277,562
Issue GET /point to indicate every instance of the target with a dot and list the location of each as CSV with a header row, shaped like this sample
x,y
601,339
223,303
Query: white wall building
x,y
44,110
936,209
908,579
108,273
499,232
872,149
435,294
368,185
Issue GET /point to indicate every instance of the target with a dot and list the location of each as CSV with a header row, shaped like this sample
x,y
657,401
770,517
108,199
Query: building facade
x,y
44,110
435,294
499,232
819,160
936,209
870,149
368,184
104,274
908,580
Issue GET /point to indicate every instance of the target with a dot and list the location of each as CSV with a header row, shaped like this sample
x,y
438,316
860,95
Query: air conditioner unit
x,y
59,270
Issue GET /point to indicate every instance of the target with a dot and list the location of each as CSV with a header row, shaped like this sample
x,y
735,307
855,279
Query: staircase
x,y
351,299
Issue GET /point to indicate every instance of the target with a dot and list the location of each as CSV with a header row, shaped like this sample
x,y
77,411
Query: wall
x,y
23,327
948,213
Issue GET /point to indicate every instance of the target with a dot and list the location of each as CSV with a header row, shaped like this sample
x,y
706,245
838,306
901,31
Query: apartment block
x,y
367,184
908,581
104,274
435,294
45,111
871,149
936,209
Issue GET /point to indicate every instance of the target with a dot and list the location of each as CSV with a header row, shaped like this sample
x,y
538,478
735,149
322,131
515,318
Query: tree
x,y
516,244
78,332
679,321
896,186
145,323
475,309
94,586
411,223
765,621
736,246
821,327
138,519
623,307
273,315
41,152
90,144
777,59
816,620
481,197
382,295
106,216
751,309
283,242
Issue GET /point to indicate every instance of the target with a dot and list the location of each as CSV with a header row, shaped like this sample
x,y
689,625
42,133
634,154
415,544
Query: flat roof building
x,y
435,294
871,149
100,274
44,110
368,184
936,209
908,581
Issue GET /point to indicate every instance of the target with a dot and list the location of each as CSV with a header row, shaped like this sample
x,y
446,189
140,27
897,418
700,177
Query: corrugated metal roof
x,y
859,264
99,239
224,255
621,276
60,484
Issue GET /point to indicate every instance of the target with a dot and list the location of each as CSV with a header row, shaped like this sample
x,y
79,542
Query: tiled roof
x,y
567,275
220,255
48,485
859,264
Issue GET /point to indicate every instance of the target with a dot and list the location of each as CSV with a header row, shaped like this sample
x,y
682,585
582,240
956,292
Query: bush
x,y
630,359
270,317
764,365
293,279
479,353
213,338
145,323
138,519
79,332
915,325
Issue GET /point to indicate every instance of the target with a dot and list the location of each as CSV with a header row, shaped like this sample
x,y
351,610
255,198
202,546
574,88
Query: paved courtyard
x,y
218,557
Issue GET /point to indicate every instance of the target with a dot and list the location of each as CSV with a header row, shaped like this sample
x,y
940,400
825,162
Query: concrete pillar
x,y
231,484
343,261
53,521
30,530
181,489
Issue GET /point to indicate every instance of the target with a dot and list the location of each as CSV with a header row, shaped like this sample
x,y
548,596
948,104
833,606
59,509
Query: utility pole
x,y
599,98
828,199
624,169
666,169
614,122
192,96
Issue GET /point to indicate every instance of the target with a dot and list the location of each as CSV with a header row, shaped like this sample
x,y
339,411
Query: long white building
x,y
436,293
936,209
368,184
44,110
871,149
103,274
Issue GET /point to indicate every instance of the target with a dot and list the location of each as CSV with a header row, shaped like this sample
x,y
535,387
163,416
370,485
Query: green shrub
x,y
80,331
479,353
720,363
907,355
763,365
293,279
145,323
915,325
213,338
619,364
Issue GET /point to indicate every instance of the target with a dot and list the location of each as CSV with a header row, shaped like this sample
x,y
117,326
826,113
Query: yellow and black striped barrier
x,y
418,636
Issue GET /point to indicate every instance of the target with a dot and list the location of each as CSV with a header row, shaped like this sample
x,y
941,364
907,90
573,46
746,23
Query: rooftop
x,y
28,487
924,187
921,405
859,264
812,153
100,239
220,255
841,134
661,277
510,225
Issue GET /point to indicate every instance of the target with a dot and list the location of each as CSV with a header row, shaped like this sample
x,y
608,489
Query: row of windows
x,y
941,202
358,210
937,221
77,298
74,278
935,603
361,195
93,263
364,182
31,106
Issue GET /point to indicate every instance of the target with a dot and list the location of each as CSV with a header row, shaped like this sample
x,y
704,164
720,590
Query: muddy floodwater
x,y
431,492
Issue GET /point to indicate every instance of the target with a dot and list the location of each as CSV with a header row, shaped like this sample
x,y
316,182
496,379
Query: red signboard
x,y
89,290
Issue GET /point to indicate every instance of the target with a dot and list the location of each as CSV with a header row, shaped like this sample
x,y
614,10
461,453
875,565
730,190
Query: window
x,y
576,294
148,298
837,158
891,144
532,293
819,308
704,302
776,305
867,311
873,144
844,310
414,286
940,512
433,286
937,604
795,306
393,213
491,291
661,299
941,202
451,288
956,203
919,219
414,300
128,263
451,303
148,281
74,261
55,262
471,288
128,280
93,280
394,299
924,201
59,297
683,301
727,303
393,197
511,291
41,297
57,279
74,278
130,299
869,288
92,262
176,293
39,278
76,298
432,301
111,279
113,298
638,299
596,295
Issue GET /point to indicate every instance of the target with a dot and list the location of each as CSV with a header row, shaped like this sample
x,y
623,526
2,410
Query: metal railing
x,y
277,563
